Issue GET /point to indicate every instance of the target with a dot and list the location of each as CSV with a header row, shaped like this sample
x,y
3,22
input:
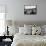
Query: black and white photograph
x,y
30,10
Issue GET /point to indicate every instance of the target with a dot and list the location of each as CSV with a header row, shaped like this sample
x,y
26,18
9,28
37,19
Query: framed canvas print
x,y
30,10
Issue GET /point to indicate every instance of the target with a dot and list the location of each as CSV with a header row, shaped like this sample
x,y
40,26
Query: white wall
x,y
15,10
41,12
